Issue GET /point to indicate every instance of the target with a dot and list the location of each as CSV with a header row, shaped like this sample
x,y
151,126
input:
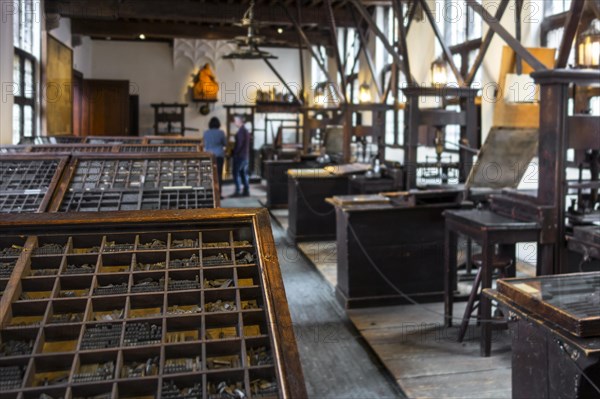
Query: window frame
x,y
22,100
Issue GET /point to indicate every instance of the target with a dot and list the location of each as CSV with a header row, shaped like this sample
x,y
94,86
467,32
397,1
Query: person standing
x,y
241,154
215,142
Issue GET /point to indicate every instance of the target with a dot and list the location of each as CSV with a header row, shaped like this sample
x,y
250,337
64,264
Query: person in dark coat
x,y
215,143
241,154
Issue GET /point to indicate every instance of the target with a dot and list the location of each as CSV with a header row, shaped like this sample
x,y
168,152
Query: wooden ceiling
x,y
202,19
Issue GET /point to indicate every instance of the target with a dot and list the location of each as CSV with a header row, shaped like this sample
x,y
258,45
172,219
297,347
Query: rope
x,y
310,208
393,286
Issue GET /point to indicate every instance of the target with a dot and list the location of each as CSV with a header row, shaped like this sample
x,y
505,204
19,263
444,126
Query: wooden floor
x,y
336,361
423,356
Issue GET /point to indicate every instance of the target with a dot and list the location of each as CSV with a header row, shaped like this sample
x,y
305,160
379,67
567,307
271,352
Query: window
x,y
555,15
26,43
462,34
556,7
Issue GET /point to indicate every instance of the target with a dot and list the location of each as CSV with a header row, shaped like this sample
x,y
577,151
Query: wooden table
x,y
488,229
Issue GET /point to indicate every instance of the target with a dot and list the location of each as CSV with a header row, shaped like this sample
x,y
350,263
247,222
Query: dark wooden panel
x,y
406,246
311,217
106,107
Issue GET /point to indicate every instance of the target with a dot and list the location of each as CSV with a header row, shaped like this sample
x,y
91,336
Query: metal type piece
x,y
140,369
6,269
12,251
148,285
43,272
263,387
192,261
111,289
259,356
95,372
153,244
137,334
185,243
66,318
101,336
220,306
218,283
116,314
244,258
49,249
11,377
150,266
86,268
16,348
191,309
216,260
178,285
171,391
226,390
215,244
182,365
112,246
223,362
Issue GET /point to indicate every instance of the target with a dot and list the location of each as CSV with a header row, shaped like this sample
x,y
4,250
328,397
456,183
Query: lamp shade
x,y
439,72
364,94
589,47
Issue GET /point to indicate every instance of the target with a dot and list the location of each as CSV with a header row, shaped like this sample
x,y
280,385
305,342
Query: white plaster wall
x,y
150,68
63,32
6,72
83,57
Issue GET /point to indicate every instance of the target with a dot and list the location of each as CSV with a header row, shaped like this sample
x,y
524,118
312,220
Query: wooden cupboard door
x,y
106,107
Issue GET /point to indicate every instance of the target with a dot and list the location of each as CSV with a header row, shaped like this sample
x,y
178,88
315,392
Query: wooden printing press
x,y
555,320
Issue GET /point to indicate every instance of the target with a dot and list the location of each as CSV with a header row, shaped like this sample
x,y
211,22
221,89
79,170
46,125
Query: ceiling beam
x,y
170,30
188,11
569,32
513,43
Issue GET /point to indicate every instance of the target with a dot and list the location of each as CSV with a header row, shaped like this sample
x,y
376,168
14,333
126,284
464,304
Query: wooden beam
x,y
170,30
403,44
301,54
569,32
362,10
336,47
518,10
315,56
445,49
495,25
367,54
187,11
485,45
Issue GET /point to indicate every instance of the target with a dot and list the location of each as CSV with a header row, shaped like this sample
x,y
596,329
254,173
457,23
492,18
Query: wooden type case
x,y
572,301
27,181
141,181
174,329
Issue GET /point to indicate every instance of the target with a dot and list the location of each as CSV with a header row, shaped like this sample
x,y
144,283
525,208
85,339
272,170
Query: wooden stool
x,y
501,263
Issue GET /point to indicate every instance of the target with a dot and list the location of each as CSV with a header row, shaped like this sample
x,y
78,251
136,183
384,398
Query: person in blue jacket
x,y
215,143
